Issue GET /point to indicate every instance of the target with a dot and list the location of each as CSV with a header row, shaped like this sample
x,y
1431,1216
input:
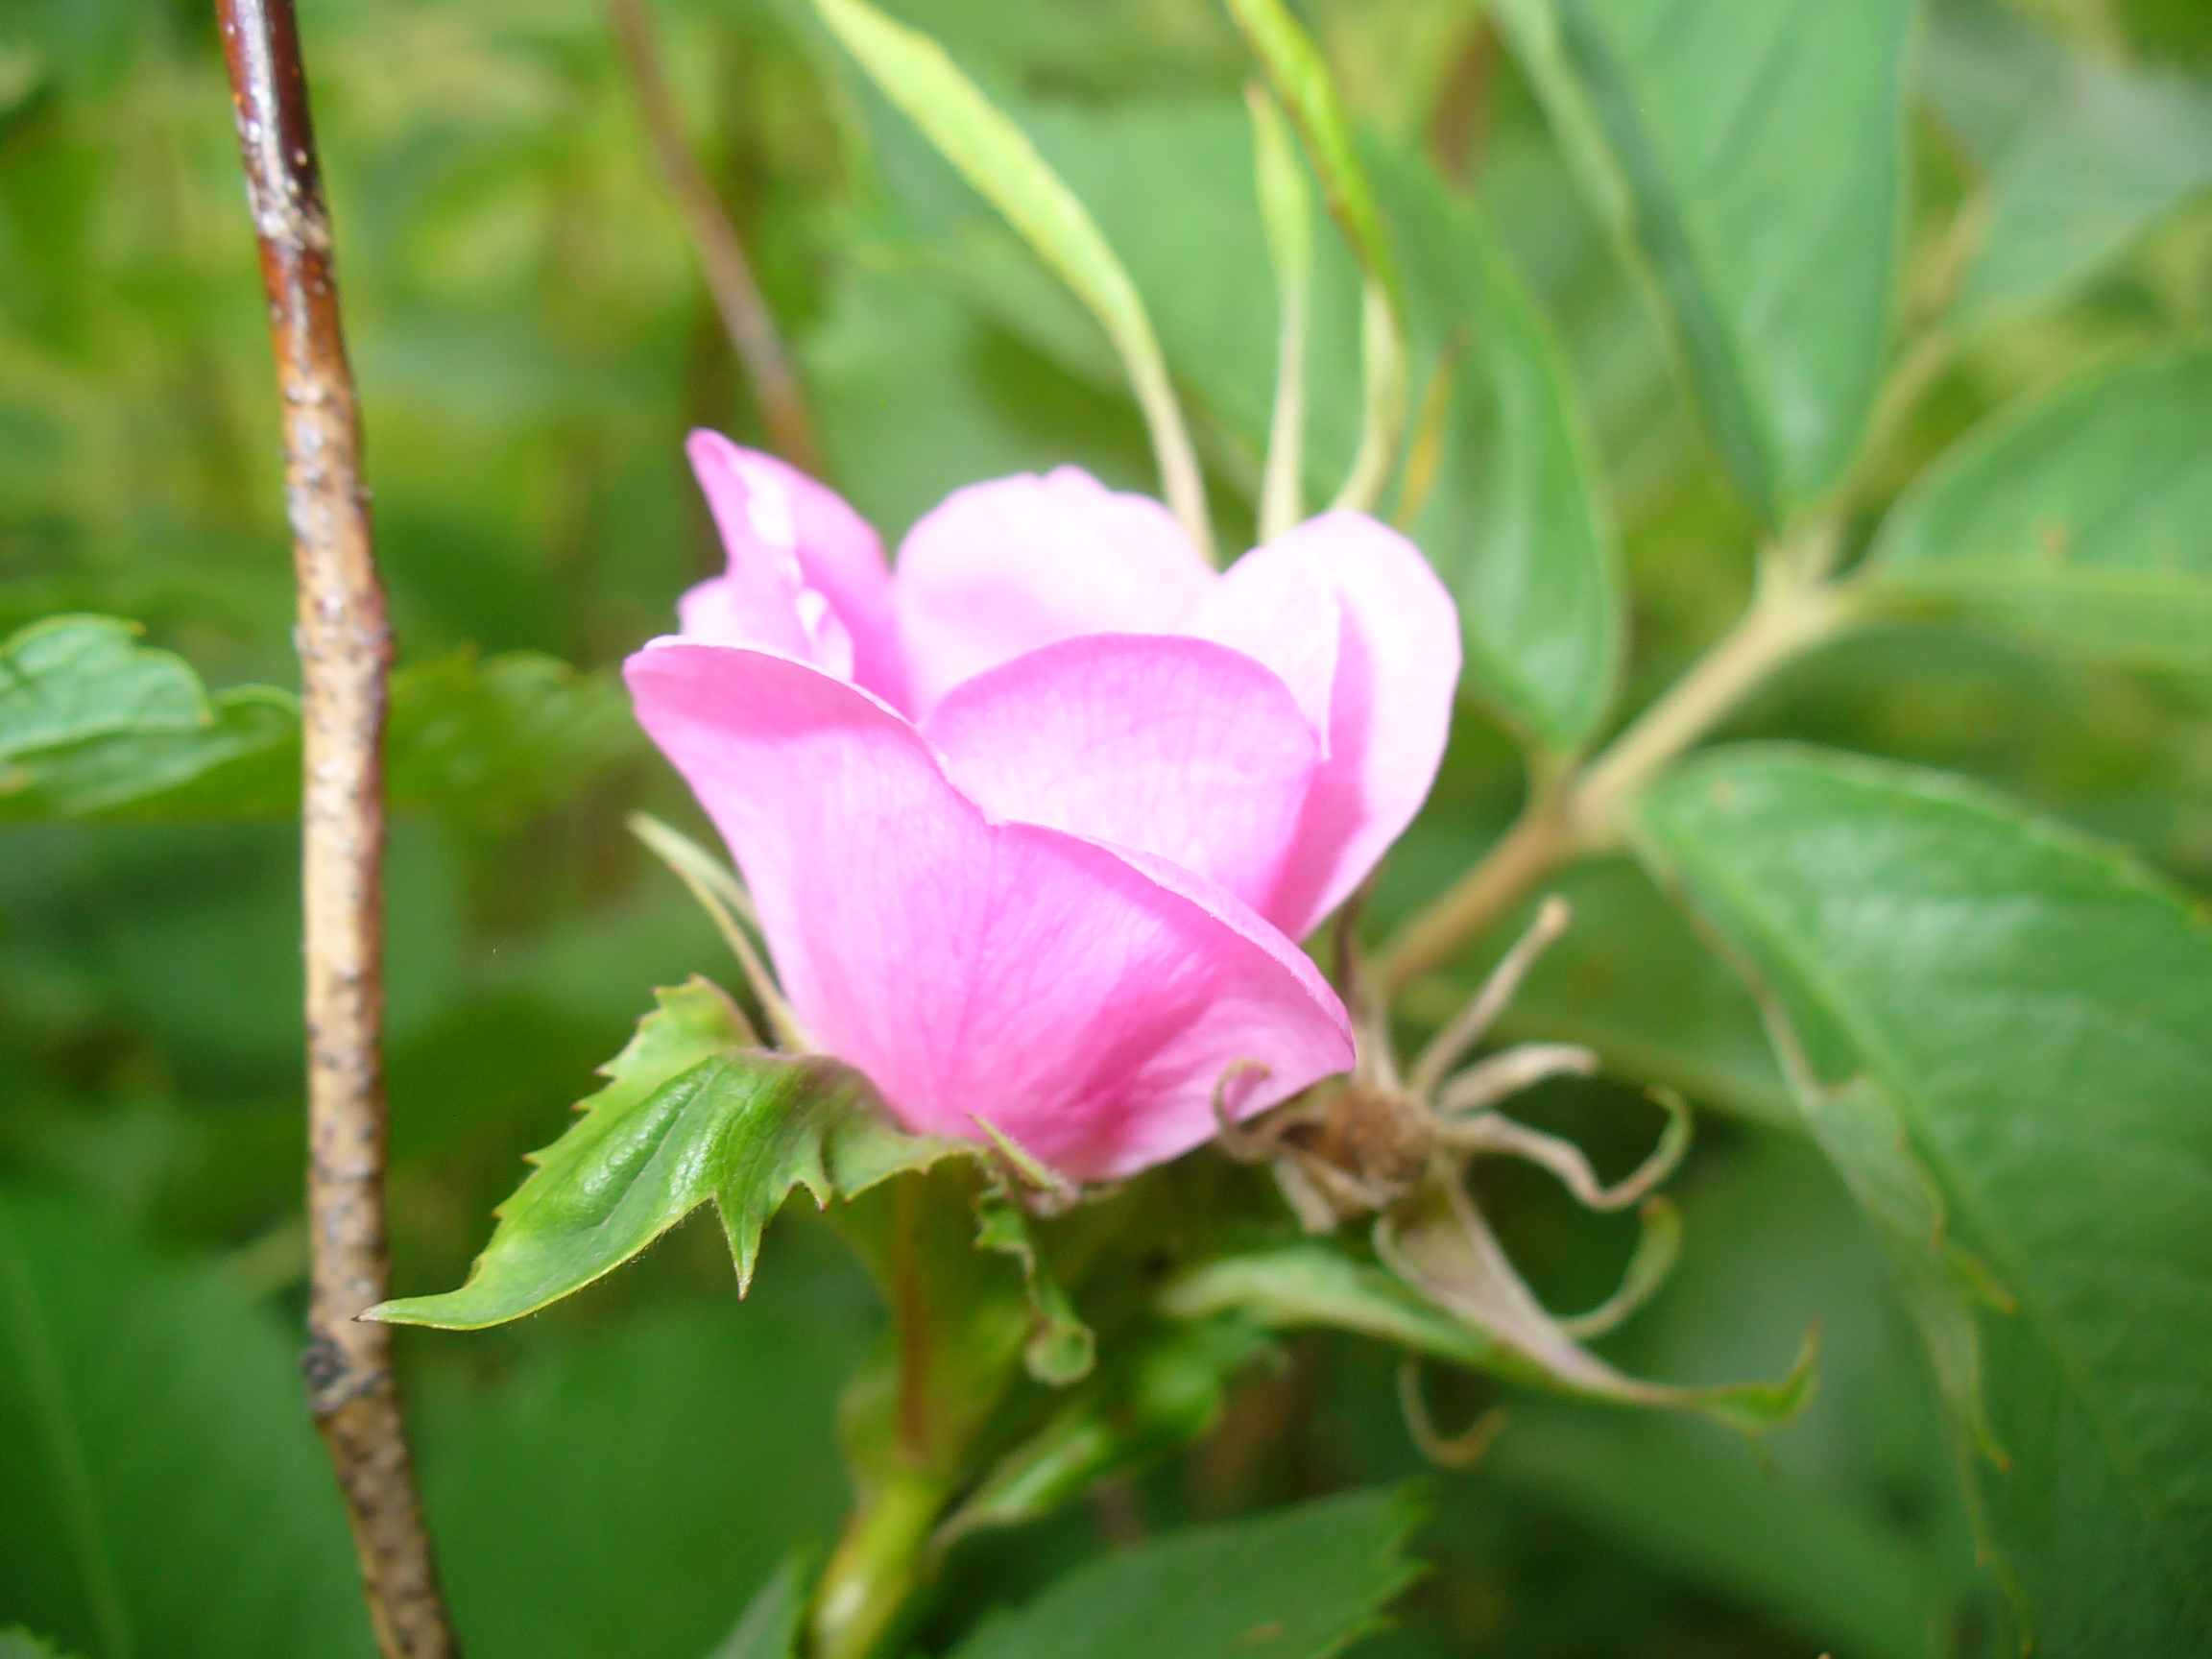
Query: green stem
x,y
1794,610
878,1563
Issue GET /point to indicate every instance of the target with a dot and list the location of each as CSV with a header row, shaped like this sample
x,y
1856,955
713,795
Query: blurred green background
x,y
532,341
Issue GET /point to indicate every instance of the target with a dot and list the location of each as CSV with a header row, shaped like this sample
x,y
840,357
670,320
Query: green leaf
x,y
160,1489
2018,1023
92,721
1847,1528
95,724
1061,1349
2080,157
484,742
1300,1583
19,1644
996,157
1514,521
1301,79
1159,1390
1287,212
1165,175
997,405
2083,519
693,1111
1487,1325
621,1487
1749,155
775,1619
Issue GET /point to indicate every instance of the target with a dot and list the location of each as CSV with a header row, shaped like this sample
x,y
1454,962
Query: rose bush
x,y
1034,824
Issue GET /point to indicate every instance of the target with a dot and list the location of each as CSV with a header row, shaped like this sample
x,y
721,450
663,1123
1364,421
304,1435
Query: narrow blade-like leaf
x,y
1301,79
997,158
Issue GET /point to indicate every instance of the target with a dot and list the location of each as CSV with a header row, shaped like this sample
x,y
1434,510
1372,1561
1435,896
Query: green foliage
x,y
95,724
1301,78
1841,1524
18,1643
1486,1320
2035,1013
996,157
192,1518
92,721
1749,154
1513,518
1061,1348
1158,1392
1300,1584
2083,519
694,1111
774,1620
618,1474
2080,155
623,1491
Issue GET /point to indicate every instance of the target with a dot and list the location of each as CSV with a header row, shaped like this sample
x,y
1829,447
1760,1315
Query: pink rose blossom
x,y
1033,825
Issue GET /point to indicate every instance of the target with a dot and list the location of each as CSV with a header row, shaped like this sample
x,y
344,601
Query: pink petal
x,y
1002,567
1397,666
1181,747
1278,607
1084,1000
806,575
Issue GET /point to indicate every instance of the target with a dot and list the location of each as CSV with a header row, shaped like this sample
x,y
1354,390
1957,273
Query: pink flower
x,y
1034,825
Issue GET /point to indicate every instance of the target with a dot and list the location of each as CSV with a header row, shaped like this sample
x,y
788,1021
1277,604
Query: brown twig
x,y
344,650
729,280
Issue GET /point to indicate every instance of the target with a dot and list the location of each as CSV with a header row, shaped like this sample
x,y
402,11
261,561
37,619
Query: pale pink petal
x,y
806,574
1083,1004
1277,606
1003,567
1177,746
1390,705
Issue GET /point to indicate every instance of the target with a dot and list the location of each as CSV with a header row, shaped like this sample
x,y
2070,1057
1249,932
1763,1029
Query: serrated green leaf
x,y
997,158
92,721
2079,155
92,724
2083,519
1300,77
1301,1583
161,1491
1514,521
2035,1015
1749,156
693,1111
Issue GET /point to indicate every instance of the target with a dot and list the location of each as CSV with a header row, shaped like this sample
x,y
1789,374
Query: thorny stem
x,y
345,648
1794,607
729,273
